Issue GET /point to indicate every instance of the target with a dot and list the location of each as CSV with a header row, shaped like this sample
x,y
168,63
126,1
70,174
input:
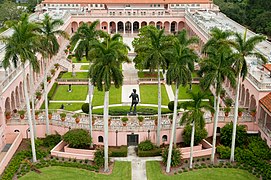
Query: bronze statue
x,y
135,101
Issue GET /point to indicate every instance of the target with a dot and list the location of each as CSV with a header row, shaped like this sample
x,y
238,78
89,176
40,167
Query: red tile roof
x,y
266,102
267,66
127,1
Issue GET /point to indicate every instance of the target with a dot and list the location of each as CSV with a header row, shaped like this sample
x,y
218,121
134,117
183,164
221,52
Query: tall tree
x,y
152,49
244,48
50,47
216,68
20,46
194,115
179,72
107,57
85,36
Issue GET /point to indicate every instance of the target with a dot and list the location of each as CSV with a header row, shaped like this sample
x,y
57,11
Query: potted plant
x,y
140,119
68,47
93,120
22,113
49,79
227,110
124,121
15,111
38,95
53,72
109,121
56,65
228,102
77,119
240,112
253,112
8,115
42,85
62,116
37,115
155,118
66,51
222,93
50,115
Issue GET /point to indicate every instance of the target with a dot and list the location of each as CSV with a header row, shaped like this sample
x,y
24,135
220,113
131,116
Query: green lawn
x,y
83,60
67,106
78,75
183,91
154,173
114,96
79,93
147,74
121,171
84,67
149,94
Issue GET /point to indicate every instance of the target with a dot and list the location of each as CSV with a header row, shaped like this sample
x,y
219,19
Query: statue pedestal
x,y
131,114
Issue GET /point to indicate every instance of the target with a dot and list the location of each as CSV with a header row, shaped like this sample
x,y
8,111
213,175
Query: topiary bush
x,y
199,135
51,140
150,153
223,151
171,105
226,135
145,145
78,138
175,157
85,108
99,157
118,151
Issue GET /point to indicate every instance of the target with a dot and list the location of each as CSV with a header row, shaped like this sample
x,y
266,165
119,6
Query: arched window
x,y
164,138
16,130
218,130
100,139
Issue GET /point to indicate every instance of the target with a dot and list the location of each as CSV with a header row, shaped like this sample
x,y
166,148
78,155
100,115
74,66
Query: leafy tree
x,y
9,12
78,138
200,133
175,158
226,135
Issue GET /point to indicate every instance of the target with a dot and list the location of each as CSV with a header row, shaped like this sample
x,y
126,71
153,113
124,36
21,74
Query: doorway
x,y
132,139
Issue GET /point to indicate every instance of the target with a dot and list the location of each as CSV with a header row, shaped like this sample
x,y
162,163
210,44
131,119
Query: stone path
x,y
138,163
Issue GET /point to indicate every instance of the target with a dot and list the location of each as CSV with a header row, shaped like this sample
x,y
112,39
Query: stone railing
x,y
71,80
264,128
260,85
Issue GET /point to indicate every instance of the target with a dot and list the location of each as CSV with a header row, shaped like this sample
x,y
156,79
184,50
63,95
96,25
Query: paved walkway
x,y
138,163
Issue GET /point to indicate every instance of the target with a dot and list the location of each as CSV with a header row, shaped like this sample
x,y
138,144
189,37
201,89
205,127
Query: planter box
x,y
197,150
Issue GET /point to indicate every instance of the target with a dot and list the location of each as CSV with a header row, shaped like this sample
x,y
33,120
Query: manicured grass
x,y
121,171
114,96
83,60
149,94
67,106
183,91
84,67
78,75
154,172
79,93
147,74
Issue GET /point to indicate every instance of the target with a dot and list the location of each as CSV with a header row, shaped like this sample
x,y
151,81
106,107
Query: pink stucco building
x,y
127,17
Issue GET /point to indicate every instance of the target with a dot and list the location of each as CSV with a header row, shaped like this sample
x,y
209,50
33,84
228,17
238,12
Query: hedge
x,y
118,151
52,91
154,152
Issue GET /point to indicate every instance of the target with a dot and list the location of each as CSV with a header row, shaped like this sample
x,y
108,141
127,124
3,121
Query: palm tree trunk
x,y
159,108
173,131
235,118
90,90
214,130
29,117
32,92
46,100
106,102
192,145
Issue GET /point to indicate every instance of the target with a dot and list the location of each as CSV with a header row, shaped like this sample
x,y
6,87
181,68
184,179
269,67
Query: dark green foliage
x,y
118,151
175,158
171,105
99,158
226,135
146,145
77,138
223,151
85,108
199,135
52,91
52,140
150,153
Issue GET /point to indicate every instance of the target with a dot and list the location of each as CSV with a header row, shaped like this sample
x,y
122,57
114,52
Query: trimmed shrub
x,y
78,138
150,153
85,108
175,158
99,158
52,91
224,151
51,140
199,135
118,151
146,145
171,105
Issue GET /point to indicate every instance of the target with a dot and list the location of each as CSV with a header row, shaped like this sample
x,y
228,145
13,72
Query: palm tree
x,y
20,46
50,47
194,115
179,71
107,55
245,48
85,36
216,68
154,48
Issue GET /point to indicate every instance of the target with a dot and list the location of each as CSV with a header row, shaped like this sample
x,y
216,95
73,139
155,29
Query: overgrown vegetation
x,y
118,151
175,157
199,135
78,138
148,149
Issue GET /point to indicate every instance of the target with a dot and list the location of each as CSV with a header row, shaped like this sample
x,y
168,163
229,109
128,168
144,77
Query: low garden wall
x,y
62,150
204,149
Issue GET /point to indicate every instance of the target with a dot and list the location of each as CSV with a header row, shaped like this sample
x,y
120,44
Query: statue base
x,y
69,90
131,114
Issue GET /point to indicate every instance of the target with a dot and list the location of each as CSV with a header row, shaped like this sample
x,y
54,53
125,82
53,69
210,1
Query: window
x,y
101,5
96,5
164,138
110,13
151,5
134,13
158,5
129,13
16,130
127,5
154,5
100,139
153,13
